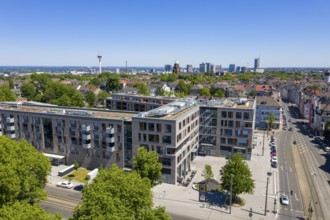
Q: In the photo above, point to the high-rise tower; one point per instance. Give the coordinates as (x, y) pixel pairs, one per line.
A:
(99, 56)
(176, 67)
(257, 63)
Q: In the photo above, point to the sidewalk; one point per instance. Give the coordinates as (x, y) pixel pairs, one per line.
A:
(181, 200)
(53, 178)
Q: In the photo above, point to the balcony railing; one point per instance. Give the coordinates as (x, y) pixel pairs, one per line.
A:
(110, 130)
(10, 128)
(87, 146)
(12, 136)
(110, 149)
(86, 128)
(110, 140)
(10, 120)
(86, 137)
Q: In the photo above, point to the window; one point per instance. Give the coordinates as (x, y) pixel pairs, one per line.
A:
(228, 132)
(143, 126)
(230, 114)
(246, 115)
(248, 124)
(239, 115)
(224, 123)
(237, 124)
(178, 138)
(224, 114)
(153, 138)
(223, 140)
(159, 127)
(170, 151)
(159, 149)
(180, 126)
(139, 136)
(144, 137)
(168, 128)
(151, 126)
(230, 124)
(167, 139)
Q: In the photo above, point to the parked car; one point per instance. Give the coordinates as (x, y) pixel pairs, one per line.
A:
(290, 129)
(327, 149)
(274, 159)
(274, 154)
(67, 185)
(284, 199)
(79, 187)
(274, 165)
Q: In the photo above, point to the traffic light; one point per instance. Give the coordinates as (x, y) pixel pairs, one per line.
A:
(291, 192)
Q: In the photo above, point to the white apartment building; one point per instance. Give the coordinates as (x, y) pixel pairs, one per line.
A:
(267, 105)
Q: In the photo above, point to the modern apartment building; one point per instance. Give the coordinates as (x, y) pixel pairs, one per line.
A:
(172, 131)
(226, 127)
(232, 68)
(177, 131)
(133, 102)
(267, 105)
(89, 137)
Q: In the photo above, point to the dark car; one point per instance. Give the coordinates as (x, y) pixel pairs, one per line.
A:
(274, 164)
(79, 187)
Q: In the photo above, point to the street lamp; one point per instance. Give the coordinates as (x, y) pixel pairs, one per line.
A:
(268, 175)
(231, 192)
(310, 209)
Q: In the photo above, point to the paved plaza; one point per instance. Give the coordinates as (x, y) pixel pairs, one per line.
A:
(183, 201)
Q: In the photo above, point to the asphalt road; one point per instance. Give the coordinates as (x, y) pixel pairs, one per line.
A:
(287, 176)
(61, 200)
(315, 164)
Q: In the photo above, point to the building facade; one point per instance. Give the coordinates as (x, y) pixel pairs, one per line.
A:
(190, 69)
(266, 106)
(232, 68)
(202, 68)
(137, 103)
(226, 127)
(171, 131)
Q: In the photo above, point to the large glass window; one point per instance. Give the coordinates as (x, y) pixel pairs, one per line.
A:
(239, 115)
(168, 128)
(246, 115)
(224, 114)
(167, 139)
(151, 126)
(48, 133)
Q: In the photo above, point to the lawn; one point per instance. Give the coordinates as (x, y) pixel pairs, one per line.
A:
(78, 175)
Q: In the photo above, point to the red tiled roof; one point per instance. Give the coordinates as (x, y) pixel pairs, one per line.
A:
(260, 88)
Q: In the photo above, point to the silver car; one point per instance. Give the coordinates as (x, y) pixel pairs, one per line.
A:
(284, 199)
(67, 185)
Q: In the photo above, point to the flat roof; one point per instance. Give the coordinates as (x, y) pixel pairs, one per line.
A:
(229, 103)
(74, 112)
(54, 156)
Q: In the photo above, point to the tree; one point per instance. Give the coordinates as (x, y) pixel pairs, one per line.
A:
(326, 132)
(143, 89)
(77, 100)
(10, 83)
(205, 92)
(41, 81)
(207, 172)
(146, 165)
(242, 181)
(6, 94)
(91, 98)
(183, 87)
(270, 121)
(24, 210)
(115, 194)
(113, 83)
(253, 93)
(64, 100)
(23, 172)
(28, 90)
(101, 97)
(160, 91)
(95, 82)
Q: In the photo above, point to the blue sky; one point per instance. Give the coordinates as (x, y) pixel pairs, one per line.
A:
(284, 33)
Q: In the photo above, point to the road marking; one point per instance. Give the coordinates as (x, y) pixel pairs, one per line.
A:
(295, 195)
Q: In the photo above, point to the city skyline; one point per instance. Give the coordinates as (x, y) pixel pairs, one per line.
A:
(148, 33)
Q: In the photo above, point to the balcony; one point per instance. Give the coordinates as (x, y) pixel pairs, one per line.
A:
(12, 136)
(110, 130)
(110, 149)
(86, 136)
(110, 140)
(86, 128)
(10, 120)
(87, 146)
(10, 128)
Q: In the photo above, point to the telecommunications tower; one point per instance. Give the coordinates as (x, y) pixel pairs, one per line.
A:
(99, 56)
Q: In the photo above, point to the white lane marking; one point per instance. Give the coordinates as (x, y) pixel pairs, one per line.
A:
(295, 196)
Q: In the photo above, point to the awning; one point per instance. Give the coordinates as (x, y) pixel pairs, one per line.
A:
(54, 156)
(194, 150)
